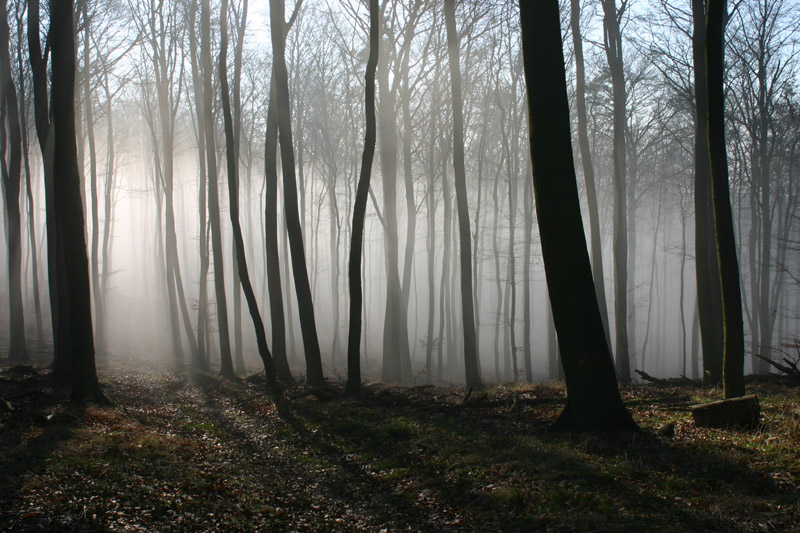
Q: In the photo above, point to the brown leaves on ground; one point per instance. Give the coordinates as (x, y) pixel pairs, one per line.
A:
(180, 452)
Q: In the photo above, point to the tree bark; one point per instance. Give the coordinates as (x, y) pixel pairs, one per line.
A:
(588, 167)
(613, 47)
(69, 209)
(226, 363)
(360, 207)
(305, 301)
(709, 299)
(233, 192)
(471, 362)
(11, 175)
(728, 262)
(593, 400)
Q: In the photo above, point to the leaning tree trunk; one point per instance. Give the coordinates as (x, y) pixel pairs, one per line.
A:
(728, 262)
(588, 167)
(233, 192)
(593, 400)
(471, 362)
(360, 208)
(305, 301)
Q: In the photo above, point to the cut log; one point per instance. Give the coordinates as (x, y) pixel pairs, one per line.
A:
(743, 411)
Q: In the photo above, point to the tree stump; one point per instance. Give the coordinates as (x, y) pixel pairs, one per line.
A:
(743, 411)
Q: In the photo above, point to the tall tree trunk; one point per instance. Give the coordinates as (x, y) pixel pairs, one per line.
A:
(203, 348)
(226, 368)
(471, 362)
(613, 47)
(396, 354)
(593, 400)
(588, 167)
(709, 299)
(99, 318)
(69, 210)
(62, 342)
(360, 207)
(277, 320)
(11, 175)
(305, 302)
(23, 106)
(233, 192)
(728, 262)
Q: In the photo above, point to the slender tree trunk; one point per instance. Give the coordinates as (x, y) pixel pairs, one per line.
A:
(588, 167)
(226, 368)
(233, 192)
(23, 106)
(277, 319)
(99, 318)
(203, 348)
(305, 302)
(471, 362)
(613, 47)
(11, 175)
(62, 341)
(360, 207)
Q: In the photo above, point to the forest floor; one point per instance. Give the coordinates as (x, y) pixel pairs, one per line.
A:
(179, 452)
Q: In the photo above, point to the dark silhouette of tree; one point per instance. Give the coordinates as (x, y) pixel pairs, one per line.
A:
(11, 170)
(233, 192)
(305, 302)
(471, 363)
(593, 400)
(360, 206)
(68, 208)
(728, 261)
(226, 366)
(709, 297)
(62, 351)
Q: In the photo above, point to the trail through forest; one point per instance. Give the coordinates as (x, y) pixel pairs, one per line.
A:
(179, 452)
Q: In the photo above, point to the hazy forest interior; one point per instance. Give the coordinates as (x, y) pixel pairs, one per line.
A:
(585, 195)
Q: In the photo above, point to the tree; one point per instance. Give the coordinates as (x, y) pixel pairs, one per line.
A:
(472, 365)
(360, 206)
(11, 170)
(612, 18)
(226, 368)
(586, 162)
(233, 192)
(709, 299)
(305, 302)
(62, 346)
(728, 262)
(68, 208)
(593, 400)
